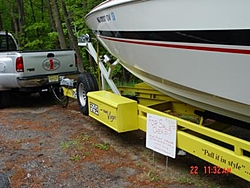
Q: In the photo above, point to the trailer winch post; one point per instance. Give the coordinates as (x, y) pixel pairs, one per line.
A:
(106, 75)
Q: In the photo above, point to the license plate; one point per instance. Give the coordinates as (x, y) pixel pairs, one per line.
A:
(53, 78)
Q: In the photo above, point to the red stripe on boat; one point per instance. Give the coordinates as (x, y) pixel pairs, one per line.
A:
(201, 48)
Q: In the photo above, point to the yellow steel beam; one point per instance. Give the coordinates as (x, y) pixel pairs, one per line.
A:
(221, 157)
(194, 142)
(69, 92)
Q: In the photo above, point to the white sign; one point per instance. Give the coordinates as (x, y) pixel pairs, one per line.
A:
(161, 135)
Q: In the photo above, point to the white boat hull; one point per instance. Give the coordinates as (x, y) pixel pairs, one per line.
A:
(208, 72)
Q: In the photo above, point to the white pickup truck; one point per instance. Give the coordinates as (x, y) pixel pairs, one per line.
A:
(32, 71)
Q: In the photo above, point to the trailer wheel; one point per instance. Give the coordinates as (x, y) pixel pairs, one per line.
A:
(86, 82)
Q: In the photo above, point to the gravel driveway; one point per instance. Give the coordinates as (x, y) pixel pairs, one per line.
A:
(45, 145)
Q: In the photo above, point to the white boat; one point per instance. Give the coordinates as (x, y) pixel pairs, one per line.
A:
(195, 51)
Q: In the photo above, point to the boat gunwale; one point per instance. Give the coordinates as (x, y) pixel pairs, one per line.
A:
(97, 9)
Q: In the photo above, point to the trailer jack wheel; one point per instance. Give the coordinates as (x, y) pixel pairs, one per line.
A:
(86, 82)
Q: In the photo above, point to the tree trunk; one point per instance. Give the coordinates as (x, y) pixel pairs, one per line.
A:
(14, 21)
(21, 18)
(52, 23)
(71, 36)
(42, 9)
(58, 23)
(92, 63)
(33, 12)
(125, 75)
(1, 22)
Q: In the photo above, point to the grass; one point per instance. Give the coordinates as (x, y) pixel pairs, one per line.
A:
(185, 180)
(153, 177)
(124, 84)
(85, 137)
(102, 146)
(67, 144)
(77, 146)
(87, 153)
(75, 142)
(76, 157)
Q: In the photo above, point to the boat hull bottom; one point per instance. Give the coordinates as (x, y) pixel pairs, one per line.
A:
(193, 97)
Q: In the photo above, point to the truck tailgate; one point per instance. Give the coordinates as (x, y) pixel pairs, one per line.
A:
(43, 63)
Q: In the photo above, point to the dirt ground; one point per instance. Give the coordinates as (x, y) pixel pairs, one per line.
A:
(45, 145)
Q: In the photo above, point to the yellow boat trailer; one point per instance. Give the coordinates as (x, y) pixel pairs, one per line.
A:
(228, 153)
(203, 138)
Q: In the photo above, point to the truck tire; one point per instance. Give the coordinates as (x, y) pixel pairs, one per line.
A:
(46, 95)
(86, 82)
(4, 99)
(1, 100)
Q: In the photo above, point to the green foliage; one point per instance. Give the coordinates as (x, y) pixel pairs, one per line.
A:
(65, 145)
(102, 146)
(37, 26)
(153, 176)
(71, 143)
(85, 137)
(37, 31)
(34, 44)
(6, 16)
(53, 35)
(75, 158)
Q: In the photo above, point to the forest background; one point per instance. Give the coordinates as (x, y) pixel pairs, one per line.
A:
(53, 24)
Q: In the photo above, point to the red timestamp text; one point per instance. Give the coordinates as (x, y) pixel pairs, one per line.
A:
(209, 170)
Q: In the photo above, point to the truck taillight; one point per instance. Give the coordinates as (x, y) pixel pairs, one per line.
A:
(19, 64)
(76, 60)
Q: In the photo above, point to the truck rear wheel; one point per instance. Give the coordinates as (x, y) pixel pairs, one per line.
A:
(86, 82)
(1, 100)
(4, 99)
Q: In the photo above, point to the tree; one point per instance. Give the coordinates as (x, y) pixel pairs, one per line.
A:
(21, 18)
(1, 22)
(14, 21)
(59, 25)
(72, 38)
(50, 24)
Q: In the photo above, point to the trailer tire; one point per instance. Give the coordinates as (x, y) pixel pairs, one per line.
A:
(86, 82)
